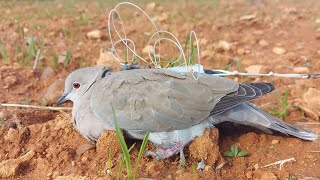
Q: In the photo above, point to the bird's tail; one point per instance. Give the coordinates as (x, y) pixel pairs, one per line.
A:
(249, 114)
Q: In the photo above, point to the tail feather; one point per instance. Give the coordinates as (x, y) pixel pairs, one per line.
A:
(249, 114)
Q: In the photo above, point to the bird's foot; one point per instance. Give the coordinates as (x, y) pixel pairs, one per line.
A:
(167, 153)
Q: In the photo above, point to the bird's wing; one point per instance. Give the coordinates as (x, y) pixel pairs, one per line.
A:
(157, 100)
(245, 92)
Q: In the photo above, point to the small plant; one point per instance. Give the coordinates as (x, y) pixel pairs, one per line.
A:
(282, 112)
(4, 54)
(67, 59)
(234, 152)
(194, 171)
(126, 151)
(31, 51)
(189, 44)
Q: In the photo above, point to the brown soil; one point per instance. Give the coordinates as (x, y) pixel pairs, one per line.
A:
(60, 26)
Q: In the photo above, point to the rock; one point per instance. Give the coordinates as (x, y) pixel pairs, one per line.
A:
(106, 59)
(254, 68)
(148, 49)
(248, 17)
(301, 70)
(312, 97)
(84, 148)
(95, 34)
(11, 166)
(71, 177)
(108, 145)
(206, 147)
(310, 111)
(47, 73)
(224, 45)
(278, 50)
(151, 7)
(53, 92)
(263, 43)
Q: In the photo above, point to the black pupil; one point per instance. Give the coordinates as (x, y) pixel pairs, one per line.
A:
(76, 85)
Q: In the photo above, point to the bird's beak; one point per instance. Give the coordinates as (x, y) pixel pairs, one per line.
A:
(62, 99)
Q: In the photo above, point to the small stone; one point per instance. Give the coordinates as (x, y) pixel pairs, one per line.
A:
(317, 21)
(207, 168)
(151, 7)
(301, 70)
(263, 43)
(148, 49)
(312, 97)
(25, 30)
(53, 92)
(275, 141)
(224, 45)
(254, 69)
(95, 34)
(278, 50)
(106, 59)
(47, 73)
(84, 148)
(248, 17)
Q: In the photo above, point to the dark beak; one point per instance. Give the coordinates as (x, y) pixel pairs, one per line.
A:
(62, 99)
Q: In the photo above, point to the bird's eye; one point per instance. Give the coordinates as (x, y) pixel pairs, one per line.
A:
(76, 85)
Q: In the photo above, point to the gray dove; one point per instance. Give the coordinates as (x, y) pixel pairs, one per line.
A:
(174, 107)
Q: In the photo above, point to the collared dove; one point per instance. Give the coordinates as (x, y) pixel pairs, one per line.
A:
(173, 106)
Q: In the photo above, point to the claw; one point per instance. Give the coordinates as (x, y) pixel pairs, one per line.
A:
(166, 153)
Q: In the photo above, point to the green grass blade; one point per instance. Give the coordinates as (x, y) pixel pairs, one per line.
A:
(194, 171)
(67, 60)
(123, 144)
(4, 54)
(141, 151)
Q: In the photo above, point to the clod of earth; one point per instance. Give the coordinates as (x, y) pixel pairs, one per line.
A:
(11, 167)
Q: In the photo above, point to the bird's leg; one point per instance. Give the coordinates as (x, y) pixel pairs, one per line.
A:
(166, 153)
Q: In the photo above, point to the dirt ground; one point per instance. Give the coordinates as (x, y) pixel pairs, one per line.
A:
(248, 35)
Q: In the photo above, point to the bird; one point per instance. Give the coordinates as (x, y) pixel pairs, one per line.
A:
(173, 107)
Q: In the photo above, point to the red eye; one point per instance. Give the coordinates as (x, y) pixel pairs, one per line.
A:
(76, 85)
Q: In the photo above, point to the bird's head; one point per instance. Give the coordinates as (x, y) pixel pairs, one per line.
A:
(80, 81)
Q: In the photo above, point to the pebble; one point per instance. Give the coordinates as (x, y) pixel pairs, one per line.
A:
(263, 43)
(301, 70)
(278, 50)
(148, 49)
(224, 45)
(254, 69)
(151, 7)
(248, 17)
(312, 97)
(47, 73)
(94, 34)
(54, 91)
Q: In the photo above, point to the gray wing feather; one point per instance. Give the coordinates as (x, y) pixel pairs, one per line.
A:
(158, 100)
(245, 92)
